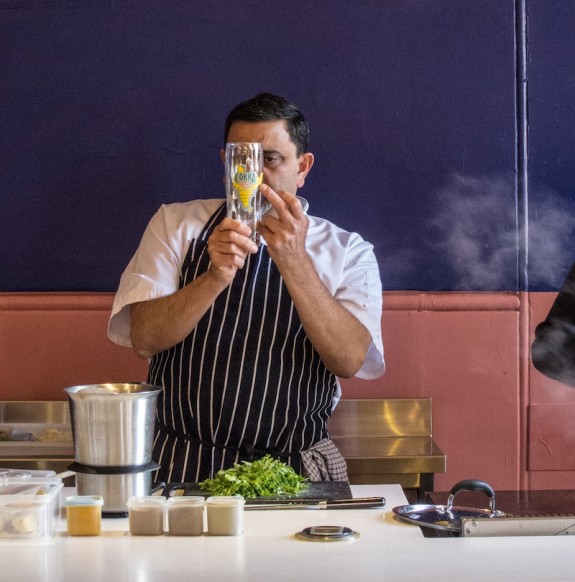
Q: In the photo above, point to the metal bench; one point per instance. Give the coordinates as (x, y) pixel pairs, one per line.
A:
(388, 441)
(383, 441)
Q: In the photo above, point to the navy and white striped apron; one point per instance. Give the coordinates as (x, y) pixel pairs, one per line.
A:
(245, 382)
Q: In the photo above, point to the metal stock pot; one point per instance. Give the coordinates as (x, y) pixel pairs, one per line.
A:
(113, 424)
(115, 484)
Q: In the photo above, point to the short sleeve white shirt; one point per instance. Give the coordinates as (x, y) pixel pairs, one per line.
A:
(345, 263)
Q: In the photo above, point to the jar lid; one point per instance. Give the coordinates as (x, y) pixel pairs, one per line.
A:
(84, 500)
(186, 500)
(230, 500)
(146, 500)
(14, 474)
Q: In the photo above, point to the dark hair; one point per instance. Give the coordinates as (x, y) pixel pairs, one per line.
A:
(268, 107)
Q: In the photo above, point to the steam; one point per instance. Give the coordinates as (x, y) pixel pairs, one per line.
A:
(477, 230)
(551, 232)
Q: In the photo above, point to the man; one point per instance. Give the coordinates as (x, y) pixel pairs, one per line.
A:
(248, 342)
(553, 350)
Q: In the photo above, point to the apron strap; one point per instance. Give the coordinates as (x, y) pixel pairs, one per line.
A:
(216, 218)
(246, 451)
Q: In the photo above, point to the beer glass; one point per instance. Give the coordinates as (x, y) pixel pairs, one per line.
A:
(244, 173)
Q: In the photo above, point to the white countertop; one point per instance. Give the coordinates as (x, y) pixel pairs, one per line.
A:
(268, 550)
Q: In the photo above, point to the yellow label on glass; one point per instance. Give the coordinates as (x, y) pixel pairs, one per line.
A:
(246, 182)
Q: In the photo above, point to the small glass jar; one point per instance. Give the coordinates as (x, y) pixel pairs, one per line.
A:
(225, 515)
(146, 515)
(84, 515)
(185, 516)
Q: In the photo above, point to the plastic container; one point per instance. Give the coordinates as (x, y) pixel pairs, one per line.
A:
(25, 474)
(146, 515)
(225, 515)
(185, 516)
(84, 515)
(29, 508)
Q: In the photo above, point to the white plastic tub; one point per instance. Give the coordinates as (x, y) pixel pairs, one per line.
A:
(29, 509)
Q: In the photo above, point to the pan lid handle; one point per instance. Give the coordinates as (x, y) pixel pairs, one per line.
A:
(472, 485)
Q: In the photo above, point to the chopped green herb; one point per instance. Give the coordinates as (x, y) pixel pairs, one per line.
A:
(264, 477)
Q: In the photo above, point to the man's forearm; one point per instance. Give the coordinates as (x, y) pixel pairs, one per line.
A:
(160, 324)
(338, 336)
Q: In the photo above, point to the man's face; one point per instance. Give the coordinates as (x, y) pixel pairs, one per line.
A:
(283, 168)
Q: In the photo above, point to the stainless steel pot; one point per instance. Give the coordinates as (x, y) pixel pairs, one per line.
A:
(113, 424)
(115, 488)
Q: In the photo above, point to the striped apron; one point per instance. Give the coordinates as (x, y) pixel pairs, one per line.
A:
(245, 382)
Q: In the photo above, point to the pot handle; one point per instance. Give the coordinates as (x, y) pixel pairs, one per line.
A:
(472, 485)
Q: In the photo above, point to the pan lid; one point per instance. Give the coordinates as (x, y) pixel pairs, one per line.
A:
(448, 517)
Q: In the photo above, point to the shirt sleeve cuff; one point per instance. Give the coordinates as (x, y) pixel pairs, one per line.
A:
(137, 288)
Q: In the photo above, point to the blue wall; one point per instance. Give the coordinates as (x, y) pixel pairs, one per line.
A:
(551, 116)
(109, 109)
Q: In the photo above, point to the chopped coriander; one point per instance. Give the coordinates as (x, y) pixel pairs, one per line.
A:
(266, 476)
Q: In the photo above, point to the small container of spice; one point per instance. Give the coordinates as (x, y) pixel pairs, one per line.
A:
(84, 515)
(146, 514)
(186, 516)
(225, 515)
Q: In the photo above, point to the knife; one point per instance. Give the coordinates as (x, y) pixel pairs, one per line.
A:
(356, 503)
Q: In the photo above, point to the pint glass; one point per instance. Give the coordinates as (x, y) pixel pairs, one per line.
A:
(244, 174)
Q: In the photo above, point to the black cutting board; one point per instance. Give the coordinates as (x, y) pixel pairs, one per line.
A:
(317, 491)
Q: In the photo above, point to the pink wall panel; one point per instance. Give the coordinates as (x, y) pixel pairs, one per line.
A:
(495, 416)
(461, 350)
(551, 480)
(552, 437)
(544, 390)
(551, 444)
(50, 341)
